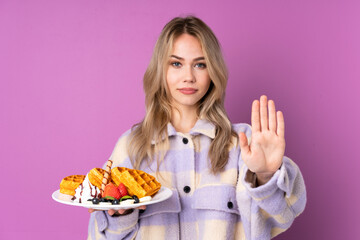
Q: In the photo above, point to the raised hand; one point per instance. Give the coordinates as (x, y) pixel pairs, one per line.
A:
(265, 153)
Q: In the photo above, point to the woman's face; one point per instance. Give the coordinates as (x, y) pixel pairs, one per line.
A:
(187, 75)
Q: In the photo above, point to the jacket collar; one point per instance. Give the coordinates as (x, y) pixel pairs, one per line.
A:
(202, 126)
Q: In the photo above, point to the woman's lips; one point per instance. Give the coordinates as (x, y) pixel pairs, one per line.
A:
(187, 90)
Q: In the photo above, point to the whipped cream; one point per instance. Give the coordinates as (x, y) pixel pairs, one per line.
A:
(86, 191)
(145, 199)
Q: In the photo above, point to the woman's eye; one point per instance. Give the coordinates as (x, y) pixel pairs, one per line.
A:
(201, 65)
(176, 64)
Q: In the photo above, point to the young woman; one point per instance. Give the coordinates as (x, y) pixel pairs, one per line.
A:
(229, 181)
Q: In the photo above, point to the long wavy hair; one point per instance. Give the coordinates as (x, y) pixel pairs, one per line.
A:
(149, 138)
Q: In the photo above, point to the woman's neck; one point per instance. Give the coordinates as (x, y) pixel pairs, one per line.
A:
(184, 119)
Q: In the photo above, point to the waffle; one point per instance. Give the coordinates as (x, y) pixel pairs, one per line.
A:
(96, 176)
(70, 183)
(137, 182)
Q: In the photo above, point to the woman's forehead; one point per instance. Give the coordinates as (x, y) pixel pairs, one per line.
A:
(187, 47)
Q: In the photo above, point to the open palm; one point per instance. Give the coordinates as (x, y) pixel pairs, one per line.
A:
(265, 153)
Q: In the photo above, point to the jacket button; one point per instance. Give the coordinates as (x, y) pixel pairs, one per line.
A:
(230, 205)
(185, 140)
(187, 189)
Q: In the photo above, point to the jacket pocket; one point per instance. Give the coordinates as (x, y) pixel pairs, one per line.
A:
(171, 205)
(219, 197)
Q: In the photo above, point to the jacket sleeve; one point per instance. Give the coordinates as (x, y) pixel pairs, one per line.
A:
(270, 209)
(104, 226)
(101, 224)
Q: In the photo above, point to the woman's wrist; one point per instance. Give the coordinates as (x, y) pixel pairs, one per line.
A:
(263, 178)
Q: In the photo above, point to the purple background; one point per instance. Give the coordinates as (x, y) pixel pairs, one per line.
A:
(71, 84)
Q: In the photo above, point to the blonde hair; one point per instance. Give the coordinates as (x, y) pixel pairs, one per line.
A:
(157, 98)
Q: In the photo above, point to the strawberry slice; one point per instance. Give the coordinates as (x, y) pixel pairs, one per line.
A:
(122, 190)
(111, 191)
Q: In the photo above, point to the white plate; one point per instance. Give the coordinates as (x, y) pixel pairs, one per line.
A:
(163, 194)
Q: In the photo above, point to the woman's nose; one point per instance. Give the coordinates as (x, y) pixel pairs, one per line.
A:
(189, 75)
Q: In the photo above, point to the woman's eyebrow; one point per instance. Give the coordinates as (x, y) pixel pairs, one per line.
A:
(180, 58)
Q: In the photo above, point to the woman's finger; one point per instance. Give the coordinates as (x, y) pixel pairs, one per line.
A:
(280, 124)
(111, 212)
(121, 211)
(272, 116)
(263, 113)
(244, 145)
(255, 116)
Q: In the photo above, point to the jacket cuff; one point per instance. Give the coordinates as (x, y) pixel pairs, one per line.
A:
(279, 181)
(118, 224)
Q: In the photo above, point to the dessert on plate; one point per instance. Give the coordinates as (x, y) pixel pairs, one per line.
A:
(86, 190)
(137, 182)
(70, 183)
(115, 186)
